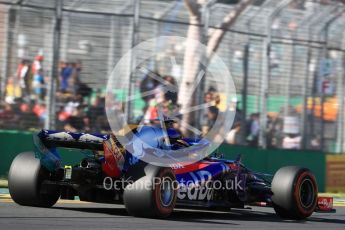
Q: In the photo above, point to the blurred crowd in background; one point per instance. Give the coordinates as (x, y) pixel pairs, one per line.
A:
(83, 109)
(24, 106)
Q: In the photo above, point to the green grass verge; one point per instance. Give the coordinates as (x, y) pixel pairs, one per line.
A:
(3, 183)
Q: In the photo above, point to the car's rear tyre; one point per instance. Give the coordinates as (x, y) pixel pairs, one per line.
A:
(153, 195)
(294, 193)
(25, 179)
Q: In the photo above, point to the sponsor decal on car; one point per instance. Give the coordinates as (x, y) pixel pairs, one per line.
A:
(195, 193)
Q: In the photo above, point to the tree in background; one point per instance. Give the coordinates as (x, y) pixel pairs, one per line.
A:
(192, 56)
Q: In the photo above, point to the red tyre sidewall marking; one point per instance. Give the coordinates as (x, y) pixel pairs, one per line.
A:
(157, 194)
(297, 193)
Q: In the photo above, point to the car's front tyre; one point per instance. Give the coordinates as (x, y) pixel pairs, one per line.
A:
(153, 195)
(294, 193)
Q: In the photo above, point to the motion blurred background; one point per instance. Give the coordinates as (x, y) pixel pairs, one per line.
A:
(286, 57)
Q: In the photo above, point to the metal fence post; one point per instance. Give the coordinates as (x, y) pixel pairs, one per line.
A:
(325, 55)
(291, 51)
(50, 100)
(246, 61)
(266, 51)
(309, 130)
(341, 109)
(340, 120)
(245, 91)
(111, 45)
(114, 24)
(165, 30)
(5, 54)
(303, 125)
(65, 38)
(292, 73)
(11, 32)
(135, 39)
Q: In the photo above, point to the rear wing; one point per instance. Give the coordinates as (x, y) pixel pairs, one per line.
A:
(54, 139)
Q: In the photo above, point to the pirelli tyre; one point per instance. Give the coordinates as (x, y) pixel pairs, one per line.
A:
(294, 193)
(153, 195)
(25, 179)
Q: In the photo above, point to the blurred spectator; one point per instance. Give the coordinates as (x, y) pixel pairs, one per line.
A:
(204, 114)
(73, 104)
(141, 118)
(23, 77)
(147, 85)
(212, 90)
(66, 73)
(169, 95)
(37, 64)
(96, 110)
(29, 119)
(103, 124)
(100, 122)
(212, 115)
(210, 112)
(83, 90)
(234, 107)
(12, 91)
(253, 129)
(40, 111)
(216, 99)
(315, 143)
(74, 80)
(162, 97)
(159, 94)
(233, 137)
(292, 141)
(77, 122)
(275, 133)
(38, 85)
(151, 112)
(61, 118)
(6, 113)
(171, 112)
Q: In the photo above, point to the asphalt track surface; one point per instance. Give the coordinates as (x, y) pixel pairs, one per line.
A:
(82, 215)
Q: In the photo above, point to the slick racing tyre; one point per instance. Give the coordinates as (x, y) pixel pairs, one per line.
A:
(25, 179)
(294, 193)
(152, 195)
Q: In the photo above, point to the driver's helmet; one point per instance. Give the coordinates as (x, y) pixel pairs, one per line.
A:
(173, 135)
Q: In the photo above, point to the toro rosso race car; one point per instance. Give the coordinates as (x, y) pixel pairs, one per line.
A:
(110, 174)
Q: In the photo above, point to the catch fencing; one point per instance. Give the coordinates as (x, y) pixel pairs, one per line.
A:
(286, 58)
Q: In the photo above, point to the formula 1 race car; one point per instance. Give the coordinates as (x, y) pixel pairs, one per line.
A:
(110, 174)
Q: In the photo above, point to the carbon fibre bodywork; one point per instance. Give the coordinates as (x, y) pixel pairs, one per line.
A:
(105, 157)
